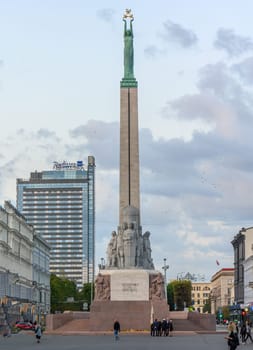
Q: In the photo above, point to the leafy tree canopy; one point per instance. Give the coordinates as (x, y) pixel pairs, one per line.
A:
(181, 293)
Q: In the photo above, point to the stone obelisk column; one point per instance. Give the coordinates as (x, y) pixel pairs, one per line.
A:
(129, 281)
(129, 133)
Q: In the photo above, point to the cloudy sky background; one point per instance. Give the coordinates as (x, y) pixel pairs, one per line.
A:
(60, 67)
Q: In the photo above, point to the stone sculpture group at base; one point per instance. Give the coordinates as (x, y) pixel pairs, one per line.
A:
(129, 248)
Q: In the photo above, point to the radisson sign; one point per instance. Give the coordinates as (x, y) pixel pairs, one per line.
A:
(68, 165)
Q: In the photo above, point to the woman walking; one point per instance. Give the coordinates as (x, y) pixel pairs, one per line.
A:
(38, 332)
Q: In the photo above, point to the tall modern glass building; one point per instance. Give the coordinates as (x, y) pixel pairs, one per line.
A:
(60, 204)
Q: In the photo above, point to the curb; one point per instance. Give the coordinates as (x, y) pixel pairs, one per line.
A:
(91, 333)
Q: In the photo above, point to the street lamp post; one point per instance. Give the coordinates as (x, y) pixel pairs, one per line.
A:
(101, 266)
(102, 263)
(165, 268)
(213, 297)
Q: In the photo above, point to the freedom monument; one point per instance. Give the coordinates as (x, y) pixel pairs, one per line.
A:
(129, 288)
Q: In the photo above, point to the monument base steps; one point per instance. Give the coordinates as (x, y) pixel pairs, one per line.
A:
(132, 315)
(135, 315)
(185, 325)
(75, 326)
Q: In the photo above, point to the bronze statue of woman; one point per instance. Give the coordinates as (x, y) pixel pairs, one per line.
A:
(128, 51)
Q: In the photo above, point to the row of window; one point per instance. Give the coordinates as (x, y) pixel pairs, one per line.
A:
(52, 225)
(200, 302)
(200, 288)
(205, 295)
(57, 219)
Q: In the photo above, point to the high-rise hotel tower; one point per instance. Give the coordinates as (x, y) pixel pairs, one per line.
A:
(60, 204)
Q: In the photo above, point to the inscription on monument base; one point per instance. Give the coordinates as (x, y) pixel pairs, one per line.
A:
(129, 285)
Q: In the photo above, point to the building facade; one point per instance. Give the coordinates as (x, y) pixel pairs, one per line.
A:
(200, 295)
(41, 278)
(60, 204)
(17, 283)
(243, 264)
(222, 289)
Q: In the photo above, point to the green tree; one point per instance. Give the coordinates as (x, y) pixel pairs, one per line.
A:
(225, 312)
(207, 306)
(85, 293)
(170, 296)
(61, 289)
(182, 293)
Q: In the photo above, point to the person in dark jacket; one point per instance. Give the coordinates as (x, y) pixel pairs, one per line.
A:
(243, 333)
(167, 332)
(248, 332)
(171, 328)
(156, 325)
(164, 327)
(116, 329)
(152, 329)
(159, 328)
(232, 340)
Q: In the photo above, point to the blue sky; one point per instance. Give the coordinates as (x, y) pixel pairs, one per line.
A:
(60, 67)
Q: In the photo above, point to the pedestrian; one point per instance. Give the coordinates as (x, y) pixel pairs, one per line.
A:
(38, 332)
(116, 329)
(167, 327)
(232, 328)
(232, 340)
(164, 327)
(155, 325)
(7, 332)
(243, 333)
(171, 328)
(159, 328)
(152, 329)
(248, 332)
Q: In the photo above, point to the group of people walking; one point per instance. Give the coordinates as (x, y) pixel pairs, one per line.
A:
(161, 328)
(234, 334)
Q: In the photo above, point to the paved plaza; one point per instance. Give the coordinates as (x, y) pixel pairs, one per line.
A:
(106, 342)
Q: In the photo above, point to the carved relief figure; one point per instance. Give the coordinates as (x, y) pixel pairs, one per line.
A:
(157, 287)
(102, 287)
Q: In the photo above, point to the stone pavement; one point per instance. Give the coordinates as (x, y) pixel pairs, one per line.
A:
(193, 341)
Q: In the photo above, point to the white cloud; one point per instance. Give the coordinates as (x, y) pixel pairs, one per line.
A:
(106, 14)
(174, 32)
(232, 43)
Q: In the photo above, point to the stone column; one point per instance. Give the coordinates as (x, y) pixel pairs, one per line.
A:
(129, 150)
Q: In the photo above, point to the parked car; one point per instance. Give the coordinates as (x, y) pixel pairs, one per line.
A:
(24, 325)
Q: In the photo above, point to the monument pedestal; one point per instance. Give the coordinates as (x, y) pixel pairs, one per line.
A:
(134, 297)
(132, 315)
